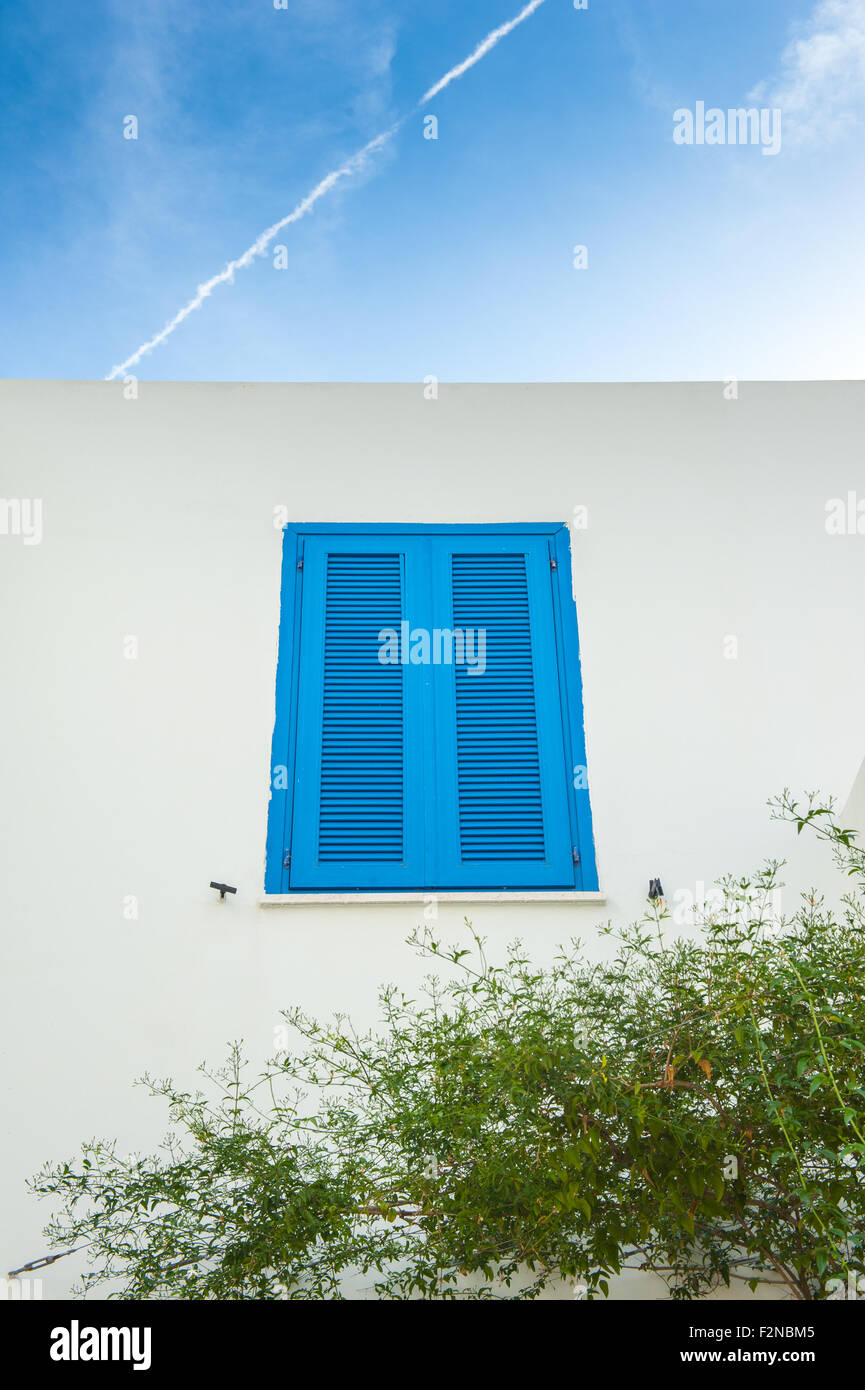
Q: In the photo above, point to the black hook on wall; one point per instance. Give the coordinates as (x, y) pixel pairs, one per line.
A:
(223, 889)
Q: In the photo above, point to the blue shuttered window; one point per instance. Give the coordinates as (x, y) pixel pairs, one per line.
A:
(429, 720)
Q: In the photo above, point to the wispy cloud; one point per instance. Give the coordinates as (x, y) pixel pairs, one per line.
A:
(820, 88)
(363, 46)
(350, 167)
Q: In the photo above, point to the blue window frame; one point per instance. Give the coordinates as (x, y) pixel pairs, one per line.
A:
(429, 724)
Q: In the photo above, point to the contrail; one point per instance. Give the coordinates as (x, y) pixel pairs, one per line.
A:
(482, 49)
(344, 171)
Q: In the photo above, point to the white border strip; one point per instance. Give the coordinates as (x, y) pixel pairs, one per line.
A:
(328, 899)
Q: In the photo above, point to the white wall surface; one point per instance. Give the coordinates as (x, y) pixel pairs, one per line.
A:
(149, 777)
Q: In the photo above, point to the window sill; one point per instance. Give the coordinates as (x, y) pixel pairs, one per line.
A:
(513, 896)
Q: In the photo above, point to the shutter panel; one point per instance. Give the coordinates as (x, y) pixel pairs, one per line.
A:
(502, 771)
(498, 763)
(357, 816)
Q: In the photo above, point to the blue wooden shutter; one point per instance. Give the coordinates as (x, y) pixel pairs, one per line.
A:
(501, 764)
(357, 817)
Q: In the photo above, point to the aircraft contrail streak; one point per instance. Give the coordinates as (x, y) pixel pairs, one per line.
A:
(344, 171)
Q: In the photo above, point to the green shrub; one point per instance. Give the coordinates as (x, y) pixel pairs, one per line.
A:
(688, 1106)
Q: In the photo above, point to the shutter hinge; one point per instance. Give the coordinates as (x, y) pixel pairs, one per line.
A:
(286, 859)
(300, 564)
(553, 565)
(576, 855)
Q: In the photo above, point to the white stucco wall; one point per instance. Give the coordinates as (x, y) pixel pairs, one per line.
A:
(149, 777)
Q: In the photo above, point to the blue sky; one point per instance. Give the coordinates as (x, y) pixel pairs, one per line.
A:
(451, 257)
